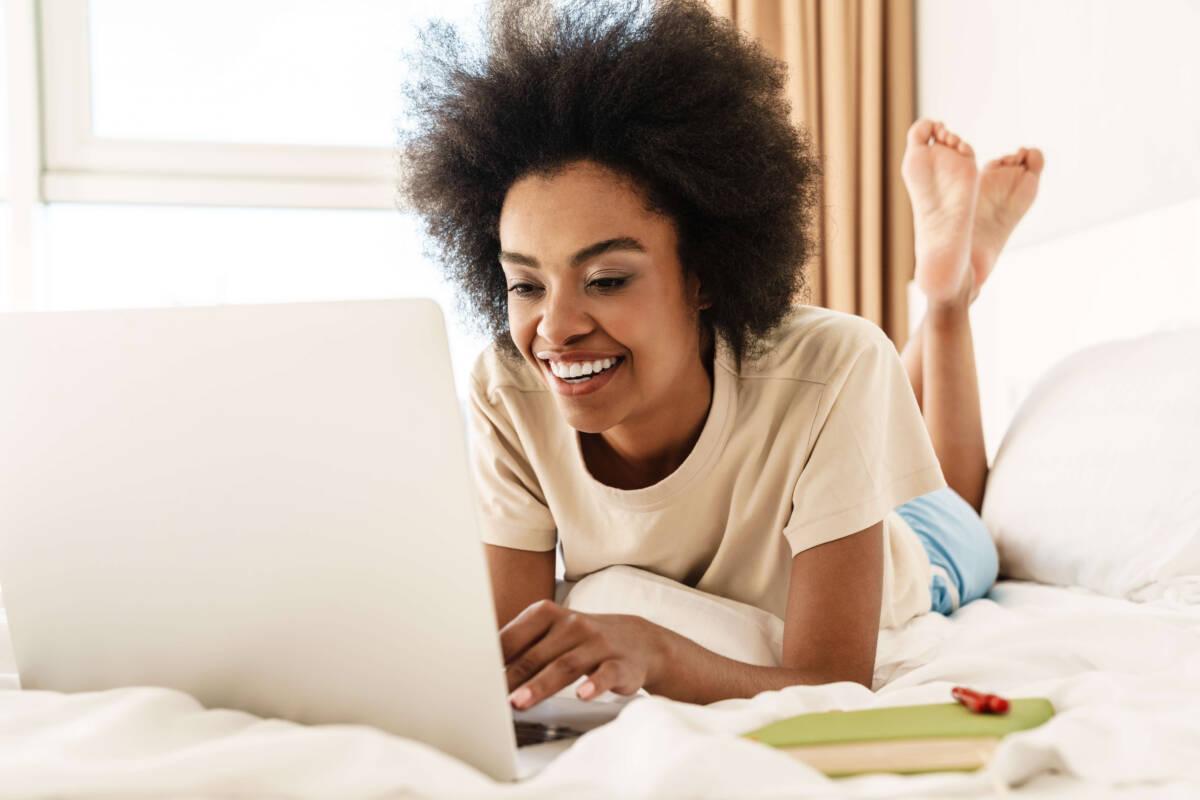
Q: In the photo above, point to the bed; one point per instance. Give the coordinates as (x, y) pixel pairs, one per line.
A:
(1094, 500)
(1124, 677)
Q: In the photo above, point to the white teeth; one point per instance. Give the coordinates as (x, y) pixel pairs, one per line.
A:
(579, 368)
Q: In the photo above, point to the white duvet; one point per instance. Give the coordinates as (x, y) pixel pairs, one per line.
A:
(1124, 677)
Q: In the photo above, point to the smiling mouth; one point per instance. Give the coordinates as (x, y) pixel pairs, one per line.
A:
(584, 378)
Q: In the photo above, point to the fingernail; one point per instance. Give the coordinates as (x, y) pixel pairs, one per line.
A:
(520, 697)
(587, 690)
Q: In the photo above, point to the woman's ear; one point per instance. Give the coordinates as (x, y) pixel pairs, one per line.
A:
(699, 297)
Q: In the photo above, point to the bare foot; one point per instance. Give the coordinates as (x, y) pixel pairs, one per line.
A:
(941, 177)
(1007, 186)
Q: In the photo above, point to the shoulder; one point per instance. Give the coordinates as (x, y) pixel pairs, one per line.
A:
(818, 345)
(494, 372)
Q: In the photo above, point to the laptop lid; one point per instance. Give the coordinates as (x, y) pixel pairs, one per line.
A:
(265, 506)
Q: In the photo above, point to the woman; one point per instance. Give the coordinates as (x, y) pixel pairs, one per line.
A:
(621, 187)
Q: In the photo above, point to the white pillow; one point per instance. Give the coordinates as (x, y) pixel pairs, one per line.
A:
(735, 630)
(1097, 480)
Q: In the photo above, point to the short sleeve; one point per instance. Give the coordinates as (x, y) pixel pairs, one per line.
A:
(868, 451)
(512, 508)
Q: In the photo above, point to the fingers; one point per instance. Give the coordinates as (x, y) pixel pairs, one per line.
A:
(527, 628)
(549, 648)
(559, 673)
(608, 677)
(568, 632)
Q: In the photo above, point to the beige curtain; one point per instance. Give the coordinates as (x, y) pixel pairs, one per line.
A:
(851, 82)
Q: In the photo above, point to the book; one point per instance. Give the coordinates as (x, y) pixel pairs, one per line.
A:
(904, 739)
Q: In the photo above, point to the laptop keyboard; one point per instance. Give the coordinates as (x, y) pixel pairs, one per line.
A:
(539, 732)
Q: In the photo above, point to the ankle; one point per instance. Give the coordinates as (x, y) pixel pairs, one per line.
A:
(950, 312)
(981, 268)
(950, 306)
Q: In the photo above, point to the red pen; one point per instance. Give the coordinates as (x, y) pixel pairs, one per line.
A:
(979, 702)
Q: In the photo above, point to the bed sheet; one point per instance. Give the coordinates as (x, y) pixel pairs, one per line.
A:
(1124, 677)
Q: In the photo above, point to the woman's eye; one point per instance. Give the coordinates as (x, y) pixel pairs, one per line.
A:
(607, 284)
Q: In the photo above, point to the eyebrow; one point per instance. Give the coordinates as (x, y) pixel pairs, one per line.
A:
(589, 252)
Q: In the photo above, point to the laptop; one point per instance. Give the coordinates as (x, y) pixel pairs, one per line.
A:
(268, 507)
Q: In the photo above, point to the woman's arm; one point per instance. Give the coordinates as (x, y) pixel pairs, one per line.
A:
(830, 635)
(519, 578)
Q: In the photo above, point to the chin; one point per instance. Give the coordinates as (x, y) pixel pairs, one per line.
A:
(585, 423)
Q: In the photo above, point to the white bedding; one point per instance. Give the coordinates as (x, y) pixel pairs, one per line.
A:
(1125, 678)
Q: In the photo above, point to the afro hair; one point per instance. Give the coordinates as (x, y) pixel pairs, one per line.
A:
(662, 92)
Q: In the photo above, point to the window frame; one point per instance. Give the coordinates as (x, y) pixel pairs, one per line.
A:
(21, 191)
(82, 167)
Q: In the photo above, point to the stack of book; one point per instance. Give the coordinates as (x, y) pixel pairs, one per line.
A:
(904, 739)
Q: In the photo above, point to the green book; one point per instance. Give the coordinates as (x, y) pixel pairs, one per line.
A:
(905, 739)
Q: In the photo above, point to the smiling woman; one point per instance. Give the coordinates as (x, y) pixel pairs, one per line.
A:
(683, 112)
(619, 196)
(642, 415)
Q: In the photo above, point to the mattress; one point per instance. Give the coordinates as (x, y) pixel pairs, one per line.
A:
(1124, 677)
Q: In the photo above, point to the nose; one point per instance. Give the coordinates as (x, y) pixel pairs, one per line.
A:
(563, 318)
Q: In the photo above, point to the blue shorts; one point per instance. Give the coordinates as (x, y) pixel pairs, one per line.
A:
(961, 552)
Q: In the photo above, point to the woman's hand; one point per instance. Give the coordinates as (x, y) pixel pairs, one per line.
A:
(547, 647)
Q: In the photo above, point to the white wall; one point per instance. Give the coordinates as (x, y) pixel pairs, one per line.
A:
(1108, 91)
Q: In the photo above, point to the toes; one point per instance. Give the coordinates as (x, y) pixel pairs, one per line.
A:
(920, 131)
(924, 129)
(1029, 157)
(956, 142)
(1034, 160)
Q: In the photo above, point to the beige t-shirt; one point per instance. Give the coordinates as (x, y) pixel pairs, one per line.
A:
(817, 439)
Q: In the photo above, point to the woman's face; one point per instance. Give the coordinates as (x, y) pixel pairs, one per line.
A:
(592, 275)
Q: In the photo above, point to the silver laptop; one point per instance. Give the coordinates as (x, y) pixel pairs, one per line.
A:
(268, 507)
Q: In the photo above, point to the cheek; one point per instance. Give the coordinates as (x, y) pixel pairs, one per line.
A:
(521, 330)
(516, 319)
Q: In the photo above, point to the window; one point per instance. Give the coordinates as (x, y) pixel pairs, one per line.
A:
(302, 72)
(268, 103)
(225, 151)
